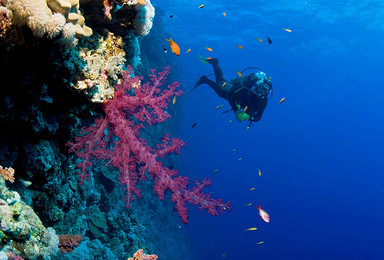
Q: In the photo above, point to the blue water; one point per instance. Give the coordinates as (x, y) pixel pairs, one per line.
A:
(320, 152)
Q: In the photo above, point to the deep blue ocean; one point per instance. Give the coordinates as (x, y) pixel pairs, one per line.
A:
(320, 152)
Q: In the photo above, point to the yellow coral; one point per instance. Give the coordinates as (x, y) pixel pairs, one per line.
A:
(104, 66)
(7, 173)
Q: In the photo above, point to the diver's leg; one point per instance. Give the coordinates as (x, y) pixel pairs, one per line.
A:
(218, 71)
(217, 88)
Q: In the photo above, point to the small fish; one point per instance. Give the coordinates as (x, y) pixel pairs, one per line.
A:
(25, 183)
(171, 16)
(209, 49)
(239, 159)
(225, 14)
(234, 150)
(251, 229)
(249, 204)
(269, 40)
(209, 58)
(260, 40)
(259, 172)
(194, 125)
(174, 47)
(252, 189)
(245, 109)
(165, 50)
(238, 73)
(261, 242)
(263, 215)
(219, 107)
(189, 50)
(269, 78)
(201, 6)
(225, 83)
(288, 30)
(174, 100)
(142, 2)
(282, 100)
(229, 121)
(216, 171)
(240, 47)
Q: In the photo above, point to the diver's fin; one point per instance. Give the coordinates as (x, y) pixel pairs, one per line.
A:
(203, 59)
(186, 96)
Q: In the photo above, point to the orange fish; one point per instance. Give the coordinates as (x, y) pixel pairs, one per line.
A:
(288, 30)
(174, 100)
(239, 46)
(238, 73)
(225, 83)
(263, 215)
(269, 78)
(201, 6)
(282, 100)
(174, 47)
(260, 40)
(142, 2)
(245, 109)
(209, 49)
(209, 58)
(189, 50)
(225, 14)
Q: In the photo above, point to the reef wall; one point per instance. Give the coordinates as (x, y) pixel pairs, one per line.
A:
(59, 61)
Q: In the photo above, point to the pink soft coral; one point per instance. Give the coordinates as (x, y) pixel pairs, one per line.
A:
(116, 140)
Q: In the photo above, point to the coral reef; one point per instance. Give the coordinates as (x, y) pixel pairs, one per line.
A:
(22, 231)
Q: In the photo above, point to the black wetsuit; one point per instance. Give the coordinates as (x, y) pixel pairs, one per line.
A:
(242, 91)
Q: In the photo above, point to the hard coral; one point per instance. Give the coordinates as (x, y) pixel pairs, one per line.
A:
(143, 21)
(50, 17)
(7, 173)
(139, 255)
(68, 242)
(144, 13)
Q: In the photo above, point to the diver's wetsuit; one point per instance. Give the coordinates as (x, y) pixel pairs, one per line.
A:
(242, 91)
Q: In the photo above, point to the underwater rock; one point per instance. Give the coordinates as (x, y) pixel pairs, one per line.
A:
(97, 221)
(41, 157)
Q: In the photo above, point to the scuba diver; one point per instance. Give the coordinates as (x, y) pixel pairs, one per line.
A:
(247, 95)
